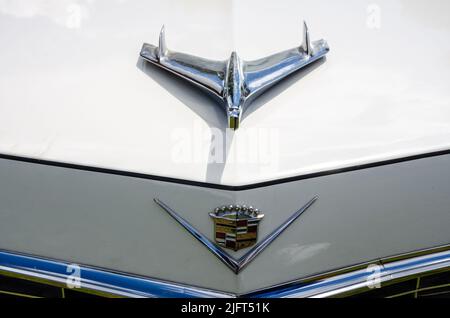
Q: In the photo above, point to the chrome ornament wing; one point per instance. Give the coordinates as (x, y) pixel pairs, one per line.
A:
(235, 81)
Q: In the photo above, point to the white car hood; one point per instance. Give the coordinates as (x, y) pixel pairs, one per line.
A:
(74, 90)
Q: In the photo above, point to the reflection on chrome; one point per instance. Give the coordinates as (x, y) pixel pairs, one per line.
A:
(344, 282)
(235, 81)
(235, 265)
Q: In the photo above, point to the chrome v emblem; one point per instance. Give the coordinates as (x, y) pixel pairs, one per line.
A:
(235, 265)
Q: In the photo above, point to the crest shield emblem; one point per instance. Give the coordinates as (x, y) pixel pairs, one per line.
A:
(227, 220)
(236, 227)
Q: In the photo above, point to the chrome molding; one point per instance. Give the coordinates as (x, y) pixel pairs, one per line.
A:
(334, 284)
(359, 278)
(235, 81)
(235, 265)
(100, 280)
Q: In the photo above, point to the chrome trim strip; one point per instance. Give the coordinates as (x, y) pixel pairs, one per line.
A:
(334, 284)
(212, 247)
(235, 265)
(357, 279)
(105, 281)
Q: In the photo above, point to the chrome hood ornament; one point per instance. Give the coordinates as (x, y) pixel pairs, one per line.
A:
(235, 81)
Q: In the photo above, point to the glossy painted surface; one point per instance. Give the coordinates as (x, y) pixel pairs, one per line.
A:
(72, 88)
(112, 222)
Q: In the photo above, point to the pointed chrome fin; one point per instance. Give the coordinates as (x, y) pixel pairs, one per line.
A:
(263, 73)
(162, 48)
(306, 45)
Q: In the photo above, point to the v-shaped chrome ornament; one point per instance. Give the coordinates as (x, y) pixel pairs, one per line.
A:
(235, 81)
(236, 265)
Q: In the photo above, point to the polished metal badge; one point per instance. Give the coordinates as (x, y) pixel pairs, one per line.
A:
(234, 81)
(235, 226)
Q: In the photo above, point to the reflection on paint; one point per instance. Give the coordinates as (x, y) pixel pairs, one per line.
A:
(68, 13)
(295, 253)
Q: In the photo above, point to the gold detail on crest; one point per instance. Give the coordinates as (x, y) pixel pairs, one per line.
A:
(235, 226)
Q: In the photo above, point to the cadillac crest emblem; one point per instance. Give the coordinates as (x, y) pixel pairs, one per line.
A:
(235, 226)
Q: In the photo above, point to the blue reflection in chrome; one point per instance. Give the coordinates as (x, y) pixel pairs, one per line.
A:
(110, 282)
